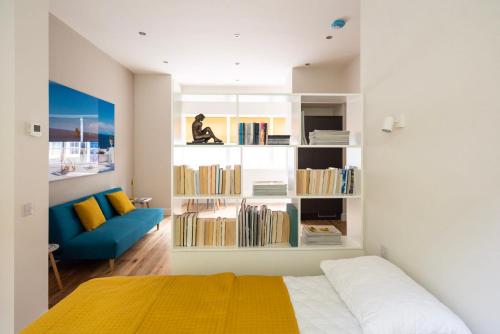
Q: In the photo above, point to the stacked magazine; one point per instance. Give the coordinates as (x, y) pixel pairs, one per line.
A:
(328, 137)
(269, 188)
(278, 140)
(321, 235)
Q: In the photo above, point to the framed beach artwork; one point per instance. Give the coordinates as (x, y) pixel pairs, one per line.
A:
(81, 133)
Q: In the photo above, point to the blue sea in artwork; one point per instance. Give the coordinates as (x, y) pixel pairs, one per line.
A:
(106, 130)
(81, 133)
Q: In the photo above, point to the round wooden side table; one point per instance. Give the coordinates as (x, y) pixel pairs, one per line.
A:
(53, 248)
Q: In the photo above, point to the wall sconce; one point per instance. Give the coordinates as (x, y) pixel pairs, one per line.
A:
(391, 122)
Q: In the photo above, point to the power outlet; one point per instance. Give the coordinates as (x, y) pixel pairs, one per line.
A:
(28, 209)
(383, 251)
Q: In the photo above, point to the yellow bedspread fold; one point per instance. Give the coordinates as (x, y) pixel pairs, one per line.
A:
(222, 303)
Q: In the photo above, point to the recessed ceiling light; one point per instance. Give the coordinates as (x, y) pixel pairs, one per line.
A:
(237, 35)
(142, 33)
(329, 37)
(307, 64)
(165, 62)
(237, 63)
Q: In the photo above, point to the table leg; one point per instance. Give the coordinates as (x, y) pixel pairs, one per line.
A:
(56, 272)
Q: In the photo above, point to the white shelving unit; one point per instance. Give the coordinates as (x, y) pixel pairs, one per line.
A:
(275, 162)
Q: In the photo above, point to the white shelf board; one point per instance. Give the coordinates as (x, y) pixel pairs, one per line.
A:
(327, 196)
(329, 146)
(207, 197)
(249, 196)
(203, 248)
(267, 146)
(206, 146)
(347, 244)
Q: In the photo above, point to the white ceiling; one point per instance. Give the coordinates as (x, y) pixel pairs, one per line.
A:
(196, 37)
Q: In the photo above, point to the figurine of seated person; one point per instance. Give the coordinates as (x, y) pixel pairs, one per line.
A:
(201, 135)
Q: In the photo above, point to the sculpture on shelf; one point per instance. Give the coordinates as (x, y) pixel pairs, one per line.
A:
(202, 135)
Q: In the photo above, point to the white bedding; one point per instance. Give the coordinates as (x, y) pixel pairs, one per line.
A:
(318, 308)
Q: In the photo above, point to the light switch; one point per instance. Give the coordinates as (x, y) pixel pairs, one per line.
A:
(28, 209)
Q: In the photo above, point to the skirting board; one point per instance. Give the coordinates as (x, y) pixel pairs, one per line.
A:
(271, 262)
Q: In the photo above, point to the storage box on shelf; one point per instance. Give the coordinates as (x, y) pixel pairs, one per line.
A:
(264, 218)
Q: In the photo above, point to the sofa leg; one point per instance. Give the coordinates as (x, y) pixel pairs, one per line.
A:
(111, 265)
(157, 227)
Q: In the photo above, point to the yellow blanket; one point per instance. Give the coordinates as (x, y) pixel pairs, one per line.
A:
(222, 303)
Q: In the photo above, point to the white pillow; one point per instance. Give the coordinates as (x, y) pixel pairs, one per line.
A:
(386, 301)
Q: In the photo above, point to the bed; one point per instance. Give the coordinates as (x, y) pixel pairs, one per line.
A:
(318, 308)
(366, 295)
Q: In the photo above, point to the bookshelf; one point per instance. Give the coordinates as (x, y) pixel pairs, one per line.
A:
(283, 113)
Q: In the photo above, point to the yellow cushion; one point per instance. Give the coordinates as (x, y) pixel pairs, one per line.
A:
(120, 202)
(90, 214)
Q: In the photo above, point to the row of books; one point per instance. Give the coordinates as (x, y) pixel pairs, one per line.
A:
(261, 226)
(252, 133)
(329, 137)
(207, 180)
(321, 235)
(191, 231)
(331, 181)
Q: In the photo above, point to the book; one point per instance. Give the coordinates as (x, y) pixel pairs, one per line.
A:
(237, 179)
(191, 231)
(260, 226)
(278, 140)
(294, 220)
(207, 180)
(232, 181)
(321, 234)
(252, 133)
(241, 134)
(330, 181)
(262, 133)
(329, 137)
(269, 188)
(256, 127)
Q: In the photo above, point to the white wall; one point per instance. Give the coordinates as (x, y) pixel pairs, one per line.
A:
(352, 76)
(30, 158)
(7, 105)
(153, 98)
(232, 89)
(432, 190)
(77, 63)
(326, 78)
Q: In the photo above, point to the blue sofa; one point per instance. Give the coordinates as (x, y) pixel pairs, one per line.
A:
(109, 240)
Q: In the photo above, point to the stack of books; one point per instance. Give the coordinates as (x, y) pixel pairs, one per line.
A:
(321, 235)
(252, 134)
(207, 180)
(331, 181)
(269, 188)
(260, 226)
(328, 137)
(191, 231)
(278, 140)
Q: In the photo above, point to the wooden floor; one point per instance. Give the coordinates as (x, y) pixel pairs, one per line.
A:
(150, 256)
